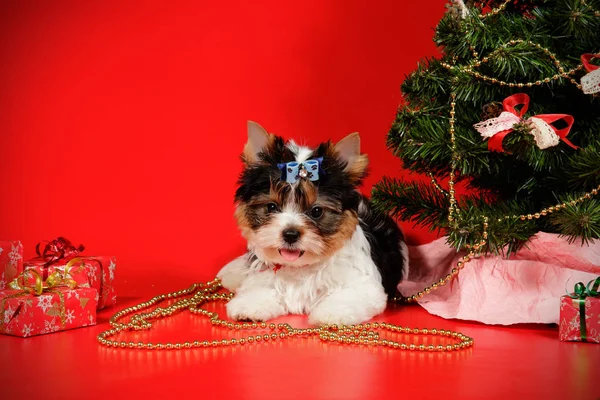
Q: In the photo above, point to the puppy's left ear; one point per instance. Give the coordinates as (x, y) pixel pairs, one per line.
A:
(348, 150)
(258, 140)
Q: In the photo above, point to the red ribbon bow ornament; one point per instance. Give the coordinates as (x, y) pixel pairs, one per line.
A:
(545, 135)
(590, 83)
(57, 249)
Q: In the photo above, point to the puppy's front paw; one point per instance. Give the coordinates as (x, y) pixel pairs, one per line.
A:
(335, 314)
(347, 308)
(233, 274)
(255, 306)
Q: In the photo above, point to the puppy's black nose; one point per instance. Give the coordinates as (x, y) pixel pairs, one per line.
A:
(291, 235)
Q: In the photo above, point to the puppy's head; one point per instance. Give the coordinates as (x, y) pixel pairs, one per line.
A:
(286, 215)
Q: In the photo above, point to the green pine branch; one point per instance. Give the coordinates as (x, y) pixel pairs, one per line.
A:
(580, 222)
(415, 201)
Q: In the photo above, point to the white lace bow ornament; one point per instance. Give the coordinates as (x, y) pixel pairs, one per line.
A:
(544, 134)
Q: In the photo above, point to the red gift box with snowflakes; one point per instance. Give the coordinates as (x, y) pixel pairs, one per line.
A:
(11, 261)
(95, 272)
(101, 275)
(580, 314)
(25, 314)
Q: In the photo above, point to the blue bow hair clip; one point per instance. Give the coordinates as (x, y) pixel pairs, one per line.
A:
(293, 170)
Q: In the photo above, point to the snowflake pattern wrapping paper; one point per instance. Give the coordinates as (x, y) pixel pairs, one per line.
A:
(570, 327)
(98, 273)
(11, 261)
(23, 314)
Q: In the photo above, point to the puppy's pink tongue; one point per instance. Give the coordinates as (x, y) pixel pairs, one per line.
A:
(290, 255)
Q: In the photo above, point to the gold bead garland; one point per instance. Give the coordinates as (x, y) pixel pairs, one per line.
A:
(596, 12)
(436, 184)
(453, 160)
(549, 210)
(476, 63)
(496, 11)
(502, 6)
(203, 293)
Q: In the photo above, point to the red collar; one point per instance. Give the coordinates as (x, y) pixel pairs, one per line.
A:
(275, 268)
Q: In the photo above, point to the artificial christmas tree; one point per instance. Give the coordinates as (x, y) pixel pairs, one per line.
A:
(503, 115)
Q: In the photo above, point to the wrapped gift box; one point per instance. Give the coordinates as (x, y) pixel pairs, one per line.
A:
(25, 314)
(11, 261)
(95, 272)
(580, 317)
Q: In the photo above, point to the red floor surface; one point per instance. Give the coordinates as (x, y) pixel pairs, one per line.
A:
(505, 363)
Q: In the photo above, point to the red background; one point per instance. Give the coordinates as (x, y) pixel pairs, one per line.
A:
(120, 127)
(121, 123)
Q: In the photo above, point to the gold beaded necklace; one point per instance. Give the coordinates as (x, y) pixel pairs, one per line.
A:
(198, 294)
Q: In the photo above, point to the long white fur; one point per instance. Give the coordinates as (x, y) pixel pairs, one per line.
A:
(302, 153)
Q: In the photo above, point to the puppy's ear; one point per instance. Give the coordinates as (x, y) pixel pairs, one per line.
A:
(258, 140)
(348, 150)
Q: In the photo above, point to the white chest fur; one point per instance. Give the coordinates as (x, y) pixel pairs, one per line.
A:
(344, 289)
(301, 289)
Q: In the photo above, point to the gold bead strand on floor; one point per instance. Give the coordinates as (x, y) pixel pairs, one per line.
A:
(200, 294)
(362, 334)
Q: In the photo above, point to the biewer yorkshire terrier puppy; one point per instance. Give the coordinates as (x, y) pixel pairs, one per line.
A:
(315, 244)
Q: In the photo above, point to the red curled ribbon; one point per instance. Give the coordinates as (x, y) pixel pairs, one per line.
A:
(586, 58)
(509, 104)
(57, 249)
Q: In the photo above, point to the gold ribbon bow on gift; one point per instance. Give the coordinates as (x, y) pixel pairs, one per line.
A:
(56, 279)
(25, 286)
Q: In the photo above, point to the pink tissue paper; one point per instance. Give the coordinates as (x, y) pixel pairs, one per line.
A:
(525, 288)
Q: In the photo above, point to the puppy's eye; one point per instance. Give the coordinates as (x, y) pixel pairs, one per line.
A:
(316, 212)
(272, 208)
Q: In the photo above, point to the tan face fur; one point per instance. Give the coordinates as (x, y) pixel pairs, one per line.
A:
(267, 205)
